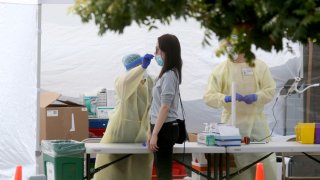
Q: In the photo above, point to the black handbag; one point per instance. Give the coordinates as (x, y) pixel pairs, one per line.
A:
(183, 134)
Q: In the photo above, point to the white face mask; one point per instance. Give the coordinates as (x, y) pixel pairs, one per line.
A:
(233, 54)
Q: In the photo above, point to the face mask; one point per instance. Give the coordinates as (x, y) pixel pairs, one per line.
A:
(232, 53)
(234, 56)
(159, 60)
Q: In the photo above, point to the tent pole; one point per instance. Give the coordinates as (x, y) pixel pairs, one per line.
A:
(310, 57)
(38, 150)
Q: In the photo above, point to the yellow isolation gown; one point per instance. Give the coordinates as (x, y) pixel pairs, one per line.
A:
(249, 118)
(128, 123)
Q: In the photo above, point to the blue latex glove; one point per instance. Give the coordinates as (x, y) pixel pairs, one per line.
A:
(239, 97)
(146, 60)
(250, 98)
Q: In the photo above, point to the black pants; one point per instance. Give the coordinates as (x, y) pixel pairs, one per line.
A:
(167, 137)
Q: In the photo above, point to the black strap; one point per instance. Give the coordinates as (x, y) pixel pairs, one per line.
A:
(105, 165)
(247, 167)
(183, 114)
(182, 109)
(311, 157)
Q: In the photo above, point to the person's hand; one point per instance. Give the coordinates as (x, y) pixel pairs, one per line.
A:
(152, 143)
(250, 98)
(146, 60)
(239, 98)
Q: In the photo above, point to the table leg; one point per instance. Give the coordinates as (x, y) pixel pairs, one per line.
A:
(88, 167)
(215, 166)
(283, 166)
(209, 166)
(220, 167)
(227, 167)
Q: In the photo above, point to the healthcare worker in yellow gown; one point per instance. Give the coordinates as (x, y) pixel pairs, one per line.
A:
(255, 88)
(129, 122)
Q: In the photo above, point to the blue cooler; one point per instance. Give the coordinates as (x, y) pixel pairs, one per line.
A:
(98, 123)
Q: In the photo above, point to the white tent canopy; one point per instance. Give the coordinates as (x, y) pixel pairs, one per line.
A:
(75, 60)
(19, 76)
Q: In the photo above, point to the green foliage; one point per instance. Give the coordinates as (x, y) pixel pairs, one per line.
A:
(115, 15)
(263, 23)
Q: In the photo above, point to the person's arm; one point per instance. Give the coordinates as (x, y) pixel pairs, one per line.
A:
(267, 85)
(163, 114)
(213, 96)
(128, 83)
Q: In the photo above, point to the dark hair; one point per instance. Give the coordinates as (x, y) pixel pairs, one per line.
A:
(170, 45)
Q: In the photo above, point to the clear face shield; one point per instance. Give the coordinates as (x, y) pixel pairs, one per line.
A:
(231, 52)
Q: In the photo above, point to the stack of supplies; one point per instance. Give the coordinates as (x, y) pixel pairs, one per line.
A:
(220, 135)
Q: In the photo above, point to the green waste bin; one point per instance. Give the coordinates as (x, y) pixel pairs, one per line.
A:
(63, 159)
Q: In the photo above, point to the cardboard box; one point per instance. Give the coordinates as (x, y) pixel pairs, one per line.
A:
(61, 118)
(192, 137)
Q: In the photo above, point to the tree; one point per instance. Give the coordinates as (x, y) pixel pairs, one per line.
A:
(263, 23)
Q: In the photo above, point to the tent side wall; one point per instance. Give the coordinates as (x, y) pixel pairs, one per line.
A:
(19, 79)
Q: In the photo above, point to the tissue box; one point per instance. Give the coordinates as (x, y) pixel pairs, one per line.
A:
(227, 140)
(206, 138)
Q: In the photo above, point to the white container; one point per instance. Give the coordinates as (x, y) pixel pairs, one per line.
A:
(37, 177)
